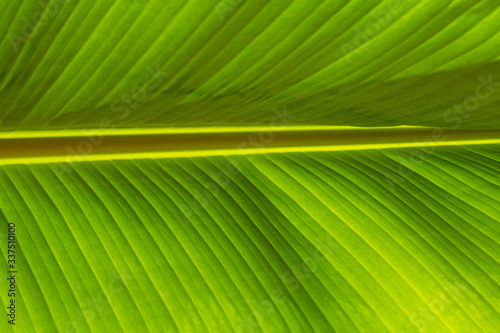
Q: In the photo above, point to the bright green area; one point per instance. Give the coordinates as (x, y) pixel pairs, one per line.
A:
(341, 241)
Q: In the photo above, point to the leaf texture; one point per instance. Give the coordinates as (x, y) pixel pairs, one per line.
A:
(194, 63)
(276, 242)
(348, 220)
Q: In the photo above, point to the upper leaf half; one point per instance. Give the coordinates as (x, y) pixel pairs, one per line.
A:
(75, 64)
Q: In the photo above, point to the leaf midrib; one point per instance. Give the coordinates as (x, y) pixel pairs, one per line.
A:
(190, 143)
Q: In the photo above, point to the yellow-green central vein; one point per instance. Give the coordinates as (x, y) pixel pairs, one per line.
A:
(136, 144)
